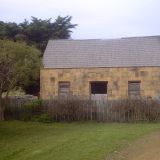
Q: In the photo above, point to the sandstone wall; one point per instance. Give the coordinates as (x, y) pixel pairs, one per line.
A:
(117, 80)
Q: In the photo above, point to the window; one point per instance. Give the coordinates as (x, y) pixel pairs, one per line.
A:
(64, 88)
(134, 89)
(99, 87)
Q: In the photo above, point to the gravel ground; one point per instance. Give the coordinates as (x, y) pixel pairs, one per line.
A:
(147, 148)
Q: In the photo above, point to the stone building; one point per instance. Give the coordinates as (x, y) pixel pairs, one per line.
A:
(113, 69)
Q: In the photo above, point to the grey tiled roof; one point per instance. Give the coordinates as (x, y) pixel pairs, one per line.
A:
(124, 52)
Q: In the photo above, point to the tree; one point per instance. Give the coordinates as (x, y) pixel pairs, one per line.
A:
(38, 31)
(9, 30)
(61, 28)
(18, 62)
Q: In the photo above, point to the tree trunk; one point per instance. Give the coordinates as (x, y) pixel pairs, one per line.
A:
(1, 109)
(1, 113)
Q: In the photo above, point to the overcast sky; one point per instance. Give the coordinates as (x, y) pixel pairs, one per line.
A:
(95, 18)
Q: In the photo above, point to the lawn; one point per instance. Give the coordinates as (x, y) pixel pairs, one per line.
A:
(66, 141)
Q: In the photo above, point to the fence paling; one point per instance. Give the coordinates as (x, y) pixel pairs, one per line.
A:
(71, 109)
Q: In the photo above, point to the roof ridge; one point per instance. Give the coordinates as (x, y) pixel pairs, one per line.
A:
(154, 36)
(73, 39)
(101, 39)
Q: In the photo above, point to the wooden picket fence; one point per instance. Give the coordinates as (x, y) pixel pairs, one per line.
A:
(80, 109)
(68, 109)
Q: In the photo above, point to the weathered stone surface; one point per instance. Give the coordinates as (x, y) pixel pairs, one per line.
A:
(117, 79)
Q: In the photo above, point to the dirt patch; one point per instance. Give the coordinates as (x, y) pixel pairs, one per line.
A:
(147, 148)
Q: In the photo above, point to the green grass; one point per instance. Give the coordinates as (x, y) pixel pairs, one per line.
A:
(62, 141)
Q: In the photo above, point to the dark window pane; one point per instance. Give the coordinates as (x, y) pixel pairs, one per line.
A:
(98, 87)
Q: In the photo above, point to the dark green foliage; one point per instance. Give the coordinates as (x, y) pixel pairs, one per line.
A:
(44, 118)
(62, 27)
(37, 31)
(33, 104)
(18, 63)
(30, 109)
(9, 30)
(23, 109)
(27, 111)
(32, 87)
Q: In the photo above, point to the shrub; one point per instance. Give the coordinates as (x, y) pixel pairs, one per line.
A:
(30, 109)
(44, 118)
(23, 109)
(33, 104)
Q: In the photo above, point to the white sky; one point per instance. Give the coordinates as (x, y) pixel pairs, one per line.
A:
(95, 18)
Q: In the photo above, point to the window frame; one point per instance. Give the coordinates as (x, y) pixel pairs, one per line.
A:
(59, 88)
(138, 91)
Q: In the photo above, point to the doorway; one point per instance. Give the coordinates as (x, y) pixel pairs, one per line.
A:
(98, 90)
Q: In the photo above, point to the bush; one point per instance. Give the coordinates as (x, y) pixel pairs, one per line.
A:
(23, 109)
(33, 104)
(30, 109)
(44, 118)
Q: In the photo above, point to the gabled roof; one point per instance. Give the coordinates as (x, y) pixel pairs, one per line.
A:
(124, 52)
